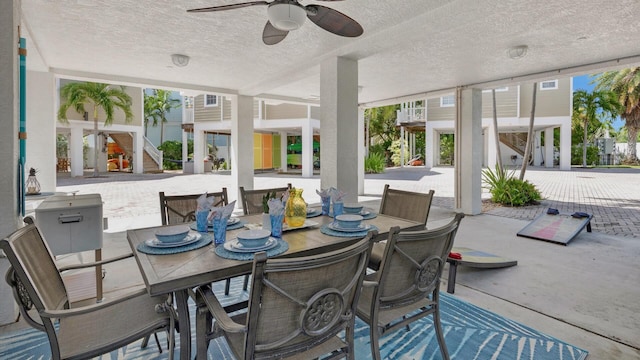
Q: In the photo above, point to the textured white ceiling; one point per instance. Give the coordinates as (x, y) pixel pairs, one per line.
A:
(408, 47)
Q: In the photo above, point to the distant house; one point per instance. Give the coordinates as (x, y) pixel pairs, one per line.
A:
(513, 107)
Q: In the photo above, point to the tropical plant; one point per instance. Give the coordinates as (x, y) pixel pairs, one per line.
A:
(506, 189)
(626, 85)
(593, 157)
(77, 95)
(150, 113)
(396, 151)
(160, 104)
(382, 125)
(172, 153)
(374, 163)
(447, 150)
(586, 109)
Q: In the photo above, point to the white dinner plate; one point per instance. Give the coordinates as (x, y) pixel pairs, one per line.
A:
(189, 239)
(235, 246)
(361, 227)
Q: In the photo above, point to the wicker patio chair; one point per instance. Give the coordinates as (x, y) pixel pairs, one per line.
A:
(77, 332)
(178, 209)
(406, 287)
(298, 307)
(409, 205)
(252, 199)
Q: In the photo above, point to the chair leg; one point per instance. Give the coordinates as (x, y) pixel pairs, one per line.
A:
(375, 342)
(439, 334)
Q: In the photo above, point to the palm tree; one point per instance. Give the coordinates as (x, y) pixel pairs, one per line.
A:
(99, 96)
(161, 104)
(150, 112)
(626, 85)
(586, 106)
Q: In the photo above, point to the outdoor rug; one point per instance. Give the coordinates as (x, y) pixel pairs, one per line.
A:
(470, 333)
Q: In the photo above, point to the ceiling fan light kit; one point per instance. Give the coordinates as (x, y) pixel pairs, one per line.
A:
(286, 17)
(180, 60)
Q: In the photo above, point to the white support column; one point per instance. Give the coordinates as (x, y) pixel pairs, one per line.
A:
(198, 151)
(241, 145)
(138, 151)
(492, 154)
(468, 148)
(362, 150)
(185, 148)
(548, 147)
(537, 151)
(283, 151)
(432, 146)
(41, 128)
(307, 149)
(402, 148)
(565, 146)
(339, 130)
(77, 158)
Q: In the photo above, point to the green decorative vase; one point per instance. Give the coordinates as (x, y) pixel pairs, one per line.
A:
(295, 212)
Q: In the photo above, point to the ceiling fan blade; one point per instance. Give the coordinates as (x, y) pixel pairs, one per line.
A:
(229, 7)
(271, 35)
(333, 21)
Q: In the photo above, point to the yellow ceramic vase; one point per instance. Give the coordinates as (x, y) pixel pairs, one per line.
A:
(295, 212)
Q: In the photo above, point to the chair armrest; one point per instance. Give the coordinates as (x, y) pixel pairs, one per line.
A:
(63, 313)
(95, 263)
(223, 320)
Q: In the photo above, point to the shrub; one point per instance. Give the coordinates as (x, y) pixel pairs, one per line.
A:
(374, 163)
(505, 189)
(395, 149)
(592, 155)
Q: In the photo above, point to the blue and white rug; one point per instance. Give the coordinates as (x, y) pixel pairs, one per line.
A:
(470, 333)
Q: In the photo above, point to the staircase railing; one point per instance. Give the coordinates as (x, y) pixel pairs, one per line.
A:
(153, 152)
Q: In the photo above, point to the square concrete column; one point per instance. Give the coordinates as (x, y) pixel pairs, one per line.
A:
(307, 149)
(432, 144)
(492, 153)
(138, 152)
(537, 152)
(198, 150)
(468, 149)
(241, 145)
(41, 128)
(9, 147)
(339, 130)
(565, 146)
(548, 147)
(283, 151)
(76, 153)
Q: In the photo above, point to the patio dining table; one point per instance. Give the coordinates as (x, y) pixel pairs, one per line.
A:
(178, 273)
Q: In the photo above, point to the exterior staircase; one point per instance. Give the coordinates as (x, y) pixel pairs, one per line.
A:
(152, 157)
(515, 141)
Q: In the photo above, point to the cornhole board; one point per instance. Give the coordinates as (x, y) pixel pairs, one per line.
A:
(475, 259)
(559, 229)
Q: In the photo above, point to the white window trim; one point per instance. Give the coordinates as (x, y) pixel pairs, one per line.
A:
(501, 89)
(442, 104)
(555, 87)
(211, 105)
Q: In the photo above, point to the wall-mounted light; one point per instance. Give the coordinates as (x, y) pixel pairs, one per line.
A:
(180, 60)
(517, 52)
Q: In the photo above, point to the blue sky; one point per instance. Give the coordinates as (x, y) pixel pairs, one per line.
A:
(582, 83)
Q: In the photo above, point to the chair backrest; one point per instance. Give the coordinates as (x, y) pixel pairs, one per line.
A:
(252, 199)
(177, 209)
(413, 262)
(408, 205)
(33, 275)
(298, 303)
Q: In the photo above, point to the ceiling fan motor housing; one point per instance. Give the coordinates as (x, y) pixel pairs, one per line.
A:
(286, 16)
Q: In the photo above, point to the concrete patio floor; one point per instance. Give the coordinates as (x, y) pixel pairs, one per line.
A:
(585, 293)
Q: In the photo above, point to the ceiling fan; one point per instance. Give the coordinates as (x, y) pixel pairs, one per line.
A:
(287, 15)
